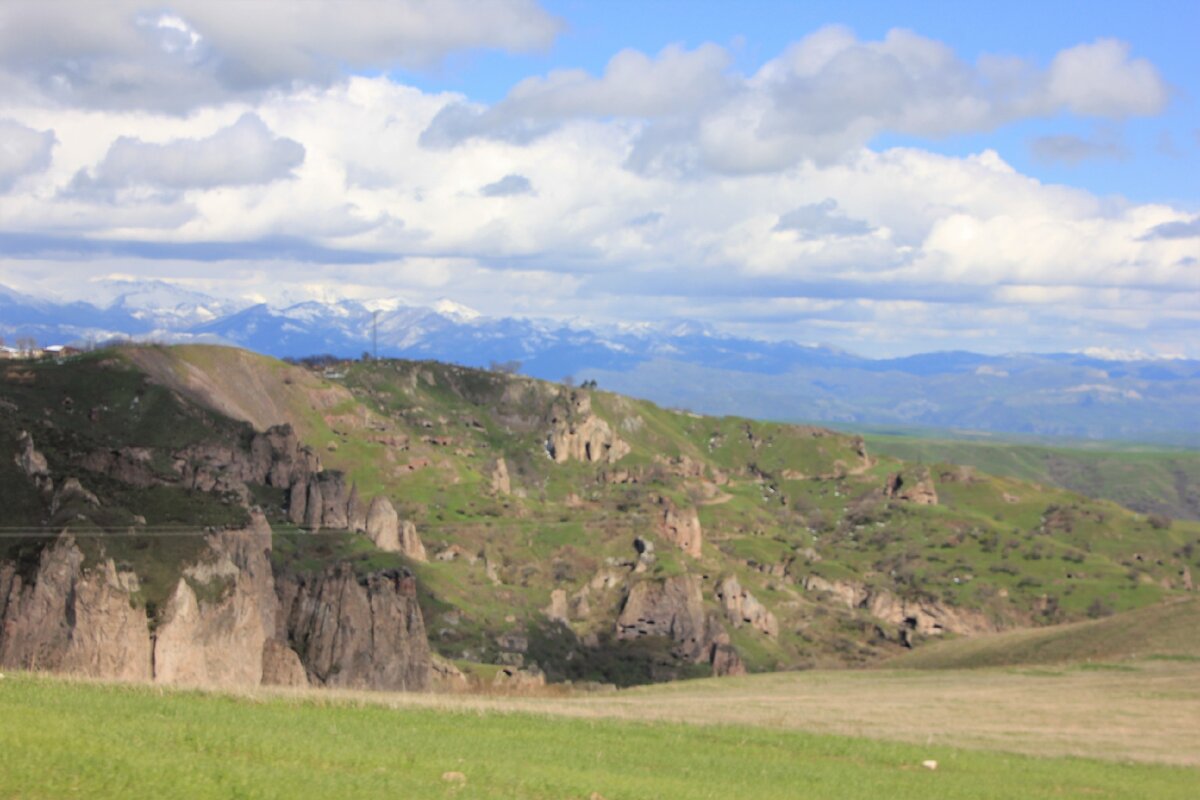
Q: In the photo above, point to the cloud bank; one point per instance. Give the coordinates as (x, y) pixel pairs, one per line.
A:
(241, 158)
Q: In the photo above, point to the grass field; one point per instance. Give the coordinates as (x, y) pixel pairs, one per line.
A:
(71, 739)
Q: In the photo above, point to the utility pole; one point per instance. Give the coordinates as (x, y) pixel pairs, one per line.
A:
(375, 335)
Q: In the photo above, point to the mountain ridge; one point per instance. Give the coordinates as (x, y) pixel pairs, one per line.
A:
(1081, 395)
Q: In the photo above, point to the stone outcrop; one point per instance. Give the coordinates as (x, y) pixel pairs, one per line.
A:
(390, 533)
(579, 435)
(33, 463)
(68, 619)
(679, 526)
(501, 483)
(918, 489)
(228, 621)
(674, 608)
(216, 623)
(274, 457)
(70, 492)
(558, 610)
(514, 679)
(355, 631)
(741, 608)
(281, 666)
(445, 676)
(919, 616)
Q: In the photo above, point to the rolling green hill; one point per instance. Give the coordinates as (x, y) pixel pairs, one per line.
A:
(565, 525)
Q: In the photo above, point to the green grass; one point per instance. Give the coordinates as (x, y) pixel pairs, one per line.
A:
(62, 739)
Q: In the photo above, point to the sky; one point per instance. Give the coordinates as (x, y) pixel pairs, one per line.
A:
(885, 177)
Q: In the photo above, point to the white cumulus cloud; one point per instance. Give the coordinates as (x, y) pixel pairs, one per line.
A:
(23, 151)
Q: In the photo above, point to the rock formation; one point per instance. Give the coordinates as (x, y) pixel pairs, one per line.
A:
(912, 489)
(578, 434)
(68, 619)
(558, 609)
(390, 533)
(281, 666)
(228, 621)
(922, 616)
(680, 527)
(354, 631)
(501, 483)
(674, 608)
(216, 622)
(741, 608)
(31, 461)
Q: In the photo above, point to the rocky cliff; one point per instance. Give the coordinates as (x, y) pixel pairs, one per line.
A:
(674, 608)
(62, 617)
(228, 622)
(356, 631)
(216, 622)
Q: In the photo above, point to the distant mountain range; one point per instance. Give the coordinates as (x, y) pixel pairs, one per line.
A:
(681, 364)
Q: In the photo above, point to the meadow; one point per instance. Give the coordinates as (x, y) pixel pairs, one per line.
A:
(1118, 731)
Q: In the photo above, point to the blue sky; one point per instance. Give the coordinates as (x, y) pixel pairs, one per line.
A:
(758, 31)
(889, 178)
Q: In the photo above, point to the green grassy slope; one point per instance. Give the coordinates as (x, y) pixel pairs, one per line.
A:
(779, 506)
(1167, 631)
(1145, 479)
(153, 744)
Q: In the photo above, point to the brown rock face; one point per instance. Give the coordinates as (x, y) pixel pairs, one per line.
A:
(446, 677)
(356, 632)
(222, 612)
(501, 483)
(679, 526)
(71, 620)
(281, 666)
(741, 608)
(925, 617)
(919, 491)
(514, 679)
(577, 434)
(558, 609)
(674, 608)
(392, 534)
(33, 463)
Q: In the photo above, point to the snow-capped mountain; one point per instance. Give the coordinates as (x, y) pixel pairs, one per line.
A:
(1093, 394)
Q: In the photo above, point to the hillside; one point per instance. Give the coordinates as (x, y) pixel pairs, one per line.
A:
(553, 530)
(1145, 479)
(1168, 631)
